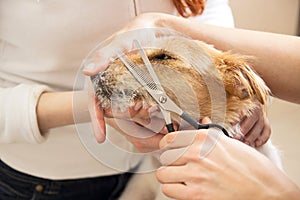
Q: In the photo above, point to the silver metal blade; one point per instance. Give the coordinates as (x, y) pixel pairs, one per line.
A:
(148, 65)
(141, 76)
(145, 80)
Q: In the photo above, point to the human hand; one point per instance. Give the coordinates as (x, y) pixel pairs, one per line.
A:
(255, 128)
(97, 117)
(229, 169)
(98, 62)
(107, 51)
(142, 125)
(145, 28)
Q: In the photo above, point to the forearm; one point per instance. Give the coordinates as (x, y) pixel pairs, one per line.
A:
(55, 109)
(276, 57)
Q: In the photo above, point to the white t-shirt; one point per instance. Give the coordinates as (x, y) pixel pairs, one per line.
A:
(42, 45)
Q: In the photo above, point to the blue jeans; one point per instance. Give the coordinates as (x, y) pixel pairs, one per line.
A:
(16, 185)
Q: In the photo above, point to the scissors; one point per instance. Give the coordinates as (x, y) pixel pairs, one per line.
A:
(153, 86)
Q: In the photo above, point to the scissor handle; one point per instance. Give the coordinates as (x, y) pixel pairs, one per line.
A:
(198, 125)
(170, 127)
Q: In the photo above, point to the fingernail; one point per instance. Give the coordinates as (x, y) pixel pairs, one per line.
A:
(90, 67)
(138, 106)
(258, 143)
(206, 120)
(98, 132)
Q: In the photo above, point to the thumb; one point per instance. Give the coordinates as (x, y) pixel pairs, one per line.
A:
(92, 68)
(97, 119)
(206, 120)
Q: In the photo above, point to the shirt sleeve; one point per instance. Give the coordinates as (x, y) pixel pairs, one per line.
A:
(216, 12)
(18, 120)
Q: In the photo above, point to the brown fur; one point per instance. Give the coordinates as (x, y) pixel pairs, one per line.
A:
(193, 74)
(186, 69)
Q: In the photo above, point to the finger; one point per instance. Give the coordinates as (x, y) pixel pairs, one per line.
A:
(185, 145)
(142, 116)
(99, 62)
(254, 133)
(178, 139)
(132, 129)
(147, 116)
(154, 124)
(101, 58)
(174, 157)
(265, 134)
(138, 111)
(175, 191)
(172, 174)
(97, 119)
(247, 123)
(146, 145)
(151, 118)
(93, 68)
(144, 140)
(108, 53)
(206, 120)
(128, 114)
(118, 113)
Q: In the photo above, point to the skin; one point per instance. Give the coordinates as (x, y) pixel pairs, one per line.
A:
(48, 108)
(256, 128)
(275, 53)
(240, 175)
(231, 170)
(54, 109)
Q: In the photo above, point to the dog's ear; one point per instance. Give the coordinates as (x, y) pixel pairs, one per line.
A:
(239, 78)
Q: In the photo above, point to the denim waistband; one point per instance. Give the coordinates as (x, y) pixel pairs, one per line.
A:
(18, 185)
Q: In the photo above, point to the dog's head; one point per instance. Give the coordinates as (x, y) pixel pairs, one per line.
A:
(198, 78)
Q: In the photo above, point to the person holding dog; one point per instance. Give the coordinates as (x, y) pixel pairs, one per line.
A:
(233, 170)
(42, 45)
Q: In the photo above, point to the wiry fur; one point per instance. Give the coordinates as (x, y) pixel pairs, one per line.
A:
(189, 72)
(244, 90)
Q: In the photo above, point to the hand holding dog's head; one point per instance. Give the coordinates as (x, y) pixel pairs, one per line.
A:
(200, 79)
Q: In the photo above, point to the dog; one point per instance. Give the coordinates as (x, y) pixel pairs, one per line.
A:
(200, 79)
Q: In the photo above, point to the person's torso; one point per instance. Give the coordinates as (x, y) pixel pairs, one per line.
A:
(45, 41)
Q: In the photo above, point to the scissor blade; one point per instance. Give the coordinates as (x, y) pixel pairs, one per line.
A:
(148, 65)
(139, 75)
(152, 87)
(146, 81)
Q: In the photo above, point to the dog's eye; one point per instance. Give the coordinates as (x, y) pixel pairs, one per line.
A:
(162, 56)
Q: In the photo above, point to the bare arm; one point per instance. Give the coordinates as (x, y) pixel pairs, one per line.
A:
(55, 109)
(277, 57)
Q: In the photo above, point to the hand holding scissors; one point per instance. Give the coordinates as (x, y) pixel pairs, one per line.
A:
(152, 84)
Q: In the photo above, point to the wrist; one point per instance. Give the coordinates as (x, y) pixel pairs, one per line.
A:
(54, 109)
